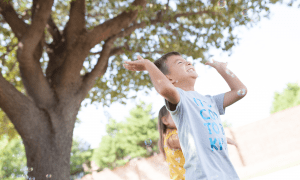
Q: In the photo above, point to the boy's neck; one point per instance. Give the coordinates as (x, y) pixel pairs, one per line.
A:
(186, 88)
(186, 85)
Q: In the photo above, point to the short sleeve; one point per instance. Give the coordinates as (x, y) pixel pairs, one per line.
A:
(178, 110)
(219, 99)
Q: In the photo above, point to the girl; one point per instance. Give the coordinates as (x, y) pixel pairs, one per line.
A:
(169, 144)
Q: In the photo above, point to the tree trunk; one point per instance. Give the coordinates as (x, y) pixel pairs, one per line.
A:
(48, 149)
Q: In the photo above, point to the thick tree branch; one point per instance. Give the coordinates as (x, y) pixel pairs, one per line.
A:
(29, 53)
(76, 23)
(17, 107)
(70, 69)
(36, 29)
(17, 25)
(113, 26)
(53, 30)
(99, 69)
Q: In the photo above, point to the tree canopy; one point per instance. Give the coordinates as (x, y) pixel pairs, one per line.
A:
(290, 97)
(190, 27)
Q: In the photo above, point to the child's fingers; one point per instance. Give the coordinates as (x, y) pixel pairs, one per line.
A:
(129, 62)
(139, 57)
(131, 68)
(208, 63)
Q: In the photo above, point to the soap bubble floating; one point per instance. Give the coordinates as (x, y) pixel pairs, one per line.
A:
(222, 3)
(148, 142)
(241, 92)
(48, 176)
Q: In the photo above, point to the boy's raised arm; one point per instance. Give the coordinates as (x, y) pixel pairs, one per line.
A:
(161, 83)
(238, 89)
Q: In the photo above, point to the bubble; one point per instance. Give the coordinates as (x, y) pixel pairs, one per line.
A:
(222, 3)
(176, 81)
(232, 75)
(48, 175)
(241, 92)
(148, 142)
(20, 45)
(228, 72)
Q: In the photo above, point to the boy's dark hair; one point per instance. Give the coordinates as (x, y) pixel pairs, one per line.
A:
(161, 62)
(162, 129)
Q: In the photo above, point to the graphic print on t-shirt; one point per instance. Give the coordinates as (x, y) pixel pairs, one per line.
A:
(212, 125)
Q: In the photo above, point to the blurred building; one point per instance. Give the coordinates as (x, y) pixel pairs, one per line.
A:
(263, 146)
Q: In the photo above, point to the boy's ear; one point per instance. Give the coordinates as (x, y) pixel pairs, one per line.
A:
(170, 79)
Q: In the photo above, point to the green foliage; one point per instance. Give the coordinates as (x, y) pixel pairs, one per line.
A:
(191, 35)
(12, 158)
(290, 97)
(80, 154)
(126, 140)
(225, 123)
(6, 127)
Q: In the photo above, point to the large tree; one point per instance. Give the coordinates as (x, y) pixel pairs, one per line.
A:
(60, 52)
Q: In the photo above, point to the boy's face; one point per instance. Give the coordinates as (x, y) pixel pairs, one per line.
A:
(181, 72)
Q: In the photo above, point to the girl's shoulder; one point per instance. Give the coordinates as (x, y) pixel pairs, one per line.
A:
(169, 133)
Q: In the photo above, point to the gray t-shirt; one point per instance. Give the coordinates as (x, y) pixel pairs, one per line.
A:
(202, 137)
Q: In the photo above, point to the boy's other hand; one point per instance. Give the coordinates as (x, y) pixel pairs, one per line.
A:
(217, 64)
(138, 65)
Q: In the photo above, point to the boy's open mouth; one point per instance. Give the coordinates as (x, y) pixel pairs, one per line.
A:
(190, 70)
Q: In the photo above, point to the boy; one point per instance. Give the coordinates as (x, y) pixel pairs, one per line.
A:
(197, 117)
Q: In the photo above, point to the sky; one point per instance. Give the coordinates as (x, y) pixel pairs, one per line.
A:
(266, 59)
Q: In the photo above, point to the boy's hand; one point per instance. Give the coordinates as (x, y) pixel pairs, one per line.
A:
(138, 65)
(230, 141)
(217, 64)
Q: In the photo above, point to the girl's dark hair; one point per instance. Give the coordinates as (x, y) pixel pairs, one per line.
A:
(161, 62)
(162, 129)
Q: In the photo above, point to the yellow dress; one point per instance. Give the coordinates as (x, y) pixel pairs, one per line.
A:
(175, 160)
